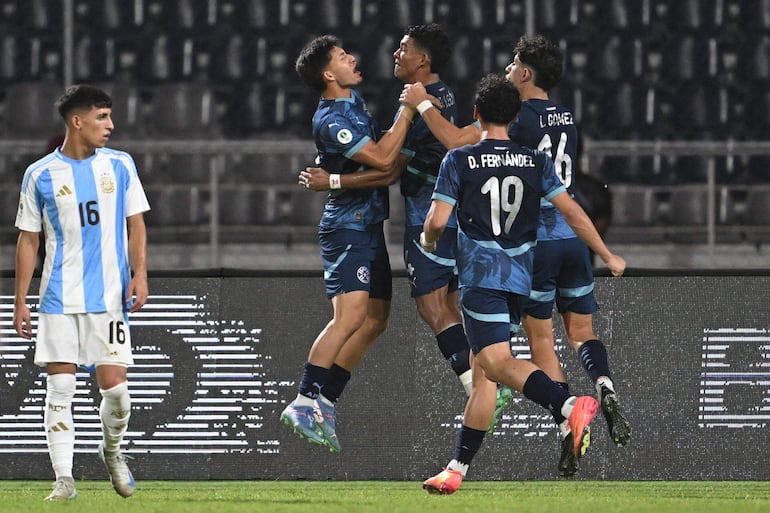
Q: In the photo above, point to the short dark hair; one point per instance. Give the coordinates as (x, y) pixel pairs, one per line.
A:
(432, 39)
(313, 59)
(544, 57)
(497, 100)
(82, 97)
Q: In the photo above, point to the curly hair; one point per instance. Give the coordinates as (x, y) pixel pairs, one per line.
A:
(544, 57)
(497, 99)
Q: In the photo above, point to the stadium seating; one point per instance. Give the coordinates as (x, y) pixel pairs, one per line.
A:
(200, 69)
(29, 110)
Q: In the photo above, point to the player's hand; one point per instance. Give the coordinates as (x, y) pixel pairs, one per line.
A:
(22, 321)
(616, 265)
(413, 94)
(137, 294)
(314, 178)
(430, 248)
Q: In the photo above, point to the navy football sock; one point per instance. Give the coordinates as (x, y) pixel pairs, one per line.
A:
(593, 356)
(313, 380)
(468, 444)
(454, 346)
(558, 418)
(545, 392)
(338, 378)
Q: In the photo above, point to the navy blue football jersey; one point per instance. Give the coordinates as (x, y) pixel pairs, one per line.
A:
(546, 126)
(496, 187)
(341, 127)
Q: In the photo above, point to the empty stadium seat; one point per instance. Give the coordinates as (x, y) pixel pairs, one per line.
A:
(9, 195)
(757, 217)
(758, 206)
(246, 206)
(176, 206)
(40, 15)
(299, 207)
(633, 206)
(127, 109)
(635, 215)
(688, 206)
(29, 110)
(183, 109)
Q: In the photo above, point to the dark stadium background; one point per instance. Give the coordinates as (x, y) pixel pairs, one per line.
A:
(672, 98)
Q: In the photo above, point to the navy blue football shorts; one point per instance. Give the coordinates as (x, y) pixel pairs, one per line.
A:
(490, 316)
(356, 260)
(561, 272)
(430, 271)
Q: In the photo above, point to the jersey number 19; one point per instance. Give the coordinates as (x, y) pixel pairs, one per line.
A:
(499, 204)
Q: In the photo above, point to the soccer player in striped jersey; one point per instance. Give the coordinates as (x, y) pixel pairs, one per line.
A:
(495, 187)
(89, 202)
(356, 264)
(562, 268)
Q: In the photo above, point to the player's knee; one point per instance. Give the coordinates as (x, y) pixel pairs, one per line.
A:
(60, 389)
(377, 325)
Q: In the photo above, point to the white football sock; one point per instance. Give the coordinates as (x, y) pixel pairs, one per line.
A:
(114, 411)
(607, 382)
(566, 408)
(456, 465)
(59, 426)
(466, 378)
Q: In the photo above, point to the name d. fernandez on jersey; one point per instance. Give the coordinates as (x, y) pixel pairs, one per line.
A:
(506, 159)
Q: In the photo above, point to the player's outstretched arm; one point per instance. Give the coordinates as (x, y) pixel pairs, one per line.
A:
(317, 179)
(383, 153)
(581, 224)
(451, 136)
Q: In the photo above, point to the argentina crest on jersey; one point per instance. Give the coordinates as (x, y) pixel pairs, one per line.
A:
(107, 182)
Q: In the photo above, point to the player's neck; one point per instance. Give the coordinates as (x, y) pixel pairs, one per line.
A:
(494, 132)
(76, 150)
(334, 91)
(425, 78)
(533, 93)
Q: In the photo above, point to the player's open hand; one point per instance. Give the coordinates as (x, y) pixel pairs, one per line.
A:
(314, 179)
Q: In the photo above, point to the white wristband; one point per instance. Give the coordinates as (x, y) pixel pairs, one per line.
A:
(335, 182)
(424, 243)
(423, 106)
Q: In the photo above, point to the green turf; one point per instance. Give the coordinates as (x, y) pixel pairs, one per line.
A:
(389, 496)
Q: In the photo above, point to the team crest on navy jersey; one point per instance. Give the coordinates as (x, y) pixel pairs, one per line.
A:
(344, 136)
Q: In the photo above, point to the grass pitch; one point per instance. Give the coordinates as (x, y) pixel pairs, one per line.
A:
(391, 496)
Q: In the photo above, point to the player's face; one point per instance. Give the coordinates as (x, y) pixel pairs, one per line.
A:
(516, 71)
(95, 126)
(408, 60)
(343, 67)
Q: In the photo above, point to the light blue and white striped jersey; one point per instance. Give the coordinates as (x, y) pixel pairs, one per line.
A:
(81, 206)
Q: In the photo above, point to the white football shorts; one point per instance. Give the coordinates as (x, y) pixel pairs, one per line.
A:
(83, 339)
